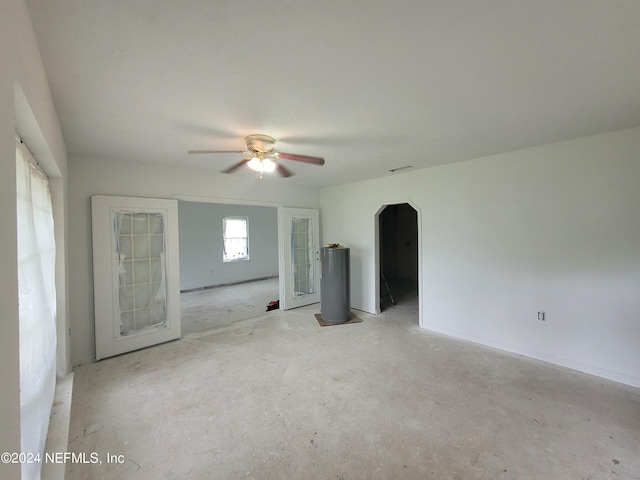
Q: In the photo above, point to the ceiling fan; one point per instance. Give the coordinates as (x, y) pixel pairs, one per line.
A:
(263, 157)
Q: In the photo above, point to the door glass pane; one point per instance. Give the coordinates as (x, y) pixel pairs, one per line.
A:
(140, 254)
(302, 257)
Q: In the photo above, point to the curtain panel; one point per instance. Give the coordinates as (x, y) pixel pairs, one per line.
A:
(37, 306)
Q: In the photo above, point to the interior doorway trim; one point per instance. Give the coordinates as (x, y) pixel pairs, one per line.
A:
(225, 201)
(236, 201)
(376, 220)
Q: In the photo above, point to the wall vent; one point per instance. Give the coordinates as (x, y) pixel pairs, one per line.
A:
(394, 170)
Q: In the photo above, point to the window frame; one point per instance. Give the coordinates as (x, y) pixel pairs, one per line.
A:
(246, 257)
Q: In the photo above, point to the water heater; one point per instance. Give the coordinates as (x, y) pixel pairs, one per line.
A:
(335, 298)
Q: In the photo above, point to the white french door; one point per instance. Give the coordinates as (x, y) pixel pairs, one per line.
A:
(299, 235)
(136, 273)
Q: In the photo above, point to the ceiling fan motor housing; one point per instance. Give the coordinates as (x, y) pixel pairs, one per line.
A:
(260, 143)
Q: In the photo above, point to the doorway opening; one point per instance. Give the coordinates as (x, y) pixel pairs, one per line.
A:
(398, 259)
(214, 290)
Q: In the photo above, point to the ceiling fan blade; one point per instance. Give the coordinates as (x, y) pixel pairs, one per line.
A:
(301, 158)
(215, 151)
(284, 171)
(236, 166)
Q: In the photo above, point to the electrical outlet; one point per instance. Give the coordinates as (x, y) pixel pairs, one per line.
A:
(541, 316)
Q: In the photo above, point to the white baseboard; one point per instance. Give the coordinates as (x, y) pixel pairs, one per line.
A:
(554, 359)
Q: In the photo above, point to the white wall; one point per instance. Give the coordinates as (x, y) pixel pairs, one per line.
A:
(201, 242)
(99, 176)
(26, 107)
(553, 228)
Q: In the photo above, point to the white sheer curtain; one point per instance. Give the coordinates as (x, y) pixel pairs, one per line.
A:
(37, 306)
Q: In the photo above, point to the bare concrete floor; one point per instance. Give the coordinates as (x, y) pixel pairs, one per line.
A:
(213, 307)
(279, 397)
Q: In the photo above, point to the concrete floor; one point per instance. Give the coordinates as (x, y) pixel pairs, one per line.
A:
(212, 307)
(279, 397)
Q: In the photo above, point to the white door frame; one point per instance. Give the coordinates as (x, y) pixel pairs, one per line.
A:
(280, 206)
(235, 201)
(284, 237)
(376, 219)
(106, 274)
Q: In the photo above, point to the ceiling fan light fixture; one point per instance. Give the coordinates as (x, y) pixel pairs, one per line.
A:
(255, 164)
(261, 165)
(268, 165)
(262, 157)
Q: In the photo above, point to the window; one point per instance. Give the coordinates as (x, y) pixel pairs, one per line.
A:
(235, 239)
(37, 305)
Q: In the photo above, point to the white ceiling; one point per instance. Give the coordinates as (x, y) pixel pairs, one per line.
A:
(369, 85)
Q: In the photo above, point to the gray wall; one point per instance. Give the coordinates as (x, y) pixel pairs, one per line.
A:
(407, 243)
(201, 262)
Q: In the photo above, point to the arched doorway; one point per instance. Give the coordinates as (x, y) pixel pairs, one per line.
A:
(398, 259)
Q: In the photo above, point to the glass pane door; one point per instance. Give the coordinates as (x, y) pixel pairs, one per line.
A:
(299, 257)
(302, 256)
(135, 273)
(141, 257)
